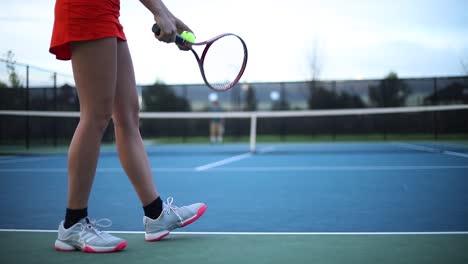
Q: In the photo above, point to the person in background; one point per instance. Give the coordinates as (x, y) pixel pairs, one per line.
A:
(216, 125)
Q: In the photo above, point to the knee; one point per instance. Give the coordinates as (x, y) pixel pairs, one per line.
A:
(97, 121)
(127, 119)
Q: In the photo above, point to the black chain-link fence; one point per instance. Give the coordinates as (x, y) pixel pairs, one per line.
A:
(33, 88)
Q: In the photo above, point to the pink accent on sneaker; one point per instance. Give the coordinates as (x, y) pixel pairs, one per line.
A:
(119, 247)
(200, 212)
(158, 238)
(64, 250)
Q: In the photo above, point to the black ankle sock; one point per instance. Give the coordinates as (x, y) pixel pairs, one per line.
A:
(73, 216)
(154, 209)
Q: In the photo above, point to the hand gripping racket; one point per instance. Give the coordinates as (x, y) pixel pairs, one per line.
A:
(222, 67)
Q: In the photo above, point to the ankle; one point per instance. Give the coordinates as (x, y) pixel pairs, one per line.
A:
(153, 210)
(73, 216)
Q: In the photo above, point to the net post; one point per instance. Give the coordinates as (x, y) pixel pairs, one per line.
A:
(253, 132)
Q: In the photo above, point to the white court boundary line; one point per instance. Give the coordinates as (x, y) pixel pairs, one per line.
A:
(232, 159)
(199, 168)
(343, 168)
(265, 233)
(28, 159)
(116, 169)
(416, 147)
(431, 150)
(266, 150)
(269, 168)
(223, 162)
(453, 153)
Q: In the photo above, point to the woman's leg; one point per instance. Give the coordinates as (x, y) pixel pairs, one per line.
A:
(94, 68)
(212, 132)
(130, 146)
(134, 159)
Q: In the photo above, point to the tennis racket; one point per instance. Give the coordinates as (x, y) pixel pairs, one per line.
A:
(222, 67)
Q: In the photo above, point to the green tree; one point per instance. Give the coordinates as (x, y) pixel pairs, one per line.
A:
(3, 85)
(320, 98)
(282, 104)
(328, 99)
(452, 94)
(464, 65)
(13, 76)
(315, 66)
(390, 92)
(346, 100)
(161, 98)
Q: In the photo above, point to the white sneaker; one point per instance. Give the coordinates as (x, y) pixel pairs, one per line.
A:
(86, 237)
(171, 217)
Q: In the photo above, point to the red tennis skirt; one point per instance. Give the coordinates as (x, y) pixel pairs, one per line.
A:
(81, 20)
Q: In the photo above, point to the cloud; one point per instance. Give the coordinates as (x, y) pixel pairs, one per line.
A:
(361, 37)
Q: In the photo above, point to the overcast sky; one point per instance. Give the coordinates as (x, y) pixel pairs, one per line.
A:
(352, 39)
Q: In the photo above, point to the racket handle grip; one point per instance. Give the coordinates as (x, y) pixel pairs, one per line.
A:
(179, 40)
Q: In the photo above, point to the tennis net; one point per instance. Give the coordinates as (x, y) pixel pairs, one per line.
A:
(27, 129)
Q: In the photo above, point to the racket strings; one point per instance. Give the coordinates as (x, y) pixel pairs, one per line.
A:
(224, 62)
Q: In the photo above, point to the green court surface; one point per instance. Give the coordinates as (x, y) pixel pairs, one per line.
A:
(37, 247)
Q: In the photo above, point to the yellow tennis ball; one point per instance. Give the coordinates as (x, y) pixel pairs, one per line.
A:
(188, 36)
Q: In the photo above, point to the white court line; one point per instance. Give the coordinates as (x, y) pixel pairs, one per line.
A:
(453, 145)
(265, 233)
(458, 154)
(269, 168)
(416, 147)
(266, 150)
(7, 157)
(223, 162)
(62, 170)
(342, 168)
(432, 150)
(22, 159)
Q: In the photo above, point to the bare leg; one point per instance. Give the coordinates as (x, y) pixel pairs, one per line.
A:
(130, 146)
(94, 69)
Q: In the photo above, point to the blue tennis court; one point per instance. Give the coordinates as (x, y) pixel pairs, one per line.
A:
(322, 187)
(311, 189)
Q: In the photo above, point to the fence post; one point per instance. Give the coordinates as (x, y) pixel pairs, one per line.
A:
(55, 108)
(186, 122)
(28, 134)
(283, 102)
(333, 118)
(435, 114)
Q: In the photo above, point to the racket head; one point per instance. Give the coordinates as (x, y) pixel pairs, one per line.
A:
(223, 61)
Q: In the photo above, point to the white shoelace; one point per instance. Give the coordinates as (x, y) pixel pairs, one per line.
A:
(170, 207)
(93, 224)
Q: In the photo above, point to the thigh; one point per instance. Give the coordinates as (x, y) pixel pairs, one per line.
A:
(95, 70)
(218, 128)
(126, 105)
(212, 127)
